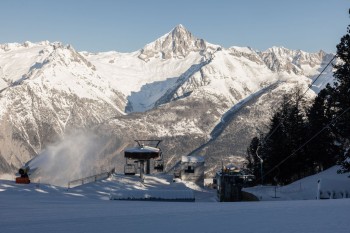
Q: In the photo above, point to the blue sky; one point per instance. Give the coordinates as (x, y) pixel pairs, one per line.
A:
(127, 25)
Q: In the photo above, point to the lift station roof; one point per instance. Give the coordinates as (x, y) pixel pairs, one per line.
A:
(142, 152)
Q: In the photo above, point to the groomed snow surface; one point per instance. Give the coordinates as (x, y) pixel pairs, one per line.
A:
(87, 208)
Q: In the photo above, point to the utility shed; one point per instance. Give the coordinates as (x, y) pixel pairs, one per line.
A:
(230, 181)
(192, 169)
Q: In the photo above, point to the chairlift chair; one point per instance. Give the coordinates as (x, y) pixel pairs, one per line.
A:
(129, 169)
(159, 165)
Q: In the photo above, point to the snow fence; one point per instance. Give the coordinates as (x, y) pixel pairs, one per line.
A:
(333, 188)
(154, 195)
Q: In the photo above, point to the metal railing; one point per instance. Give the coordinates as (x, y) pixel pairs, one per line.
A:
(90, 179)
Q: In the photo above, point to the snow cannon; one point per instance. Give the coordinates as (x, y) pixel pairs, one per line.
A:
(24, 175)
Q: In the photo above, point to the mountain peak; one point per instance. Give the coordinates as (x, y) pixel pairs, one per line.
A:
(178, 29)
(177, 43)
(180, 33)
(180, 26)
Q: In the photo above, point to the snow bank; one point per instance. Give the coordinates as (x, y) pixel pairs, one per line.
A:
(306, 188)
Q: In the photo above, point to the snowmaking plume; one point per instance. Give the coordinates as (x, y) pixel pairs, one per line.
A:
(74, 157)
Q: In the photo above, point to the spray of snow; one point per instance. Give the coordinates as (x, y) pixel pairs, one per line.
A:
(74, 157)
(6, 177)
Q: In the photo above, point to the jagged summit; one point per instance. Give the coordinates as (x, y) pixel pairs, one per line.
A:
(280, 59)
(180, 32)
(32, 59)
(28, 44)
(177, 43)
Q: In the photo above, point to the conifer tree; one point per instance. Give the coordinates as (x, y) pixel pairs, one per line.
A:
(276, 146)
(323, 150)
(342, 96)
(287, 132)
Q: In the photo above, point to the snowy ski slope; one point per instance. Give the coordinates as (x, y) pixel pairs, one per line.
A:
(44, 208)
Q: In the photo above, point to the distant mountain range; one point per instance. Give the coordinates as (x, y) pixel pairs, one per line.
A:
(198, 97)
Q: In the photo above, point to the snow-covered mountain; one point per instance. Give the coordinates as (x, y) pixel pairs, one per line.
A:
(184, 90)
(47, 90)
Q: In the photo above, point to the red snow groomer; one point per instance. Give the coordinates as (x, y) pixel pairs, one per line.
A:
(24, 175)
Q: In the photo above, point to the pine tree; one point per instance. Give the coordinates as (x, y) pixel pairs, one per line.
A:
(323, 150)
(287, 132)
(342, 95)
(276, 145)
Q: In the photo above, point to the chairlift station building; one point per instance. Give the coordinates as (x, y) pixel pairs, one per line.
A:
(191, 169)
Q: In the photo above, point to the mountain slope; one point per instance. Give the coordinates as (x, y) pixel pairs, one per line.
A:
(55, 90)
